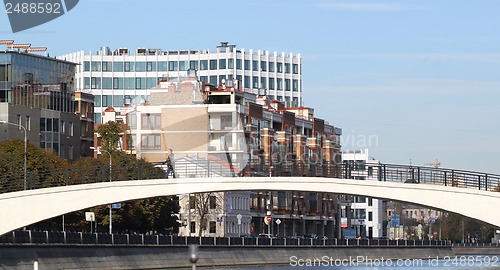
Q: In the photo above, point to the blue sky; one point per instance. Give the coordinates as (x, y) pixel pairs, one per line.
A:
(420, 76)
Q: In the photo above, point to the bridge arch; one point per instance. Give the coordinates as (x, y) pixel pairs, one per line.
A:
(19, 209)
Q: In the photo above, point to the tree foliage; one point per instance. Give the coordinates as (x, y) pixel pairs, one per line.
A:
(146, 215)
(109, 134)
(455, 227)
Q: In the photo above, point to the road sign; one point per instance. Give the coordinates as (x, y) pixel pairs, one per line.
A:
(432, 220)
(116, 206)
(343, 222)
(278, 221)
(267, 220)
(219, 219)
(89, 216)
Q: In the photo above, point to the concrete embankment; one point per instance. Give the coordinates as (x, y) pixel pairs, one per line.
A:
(476, 250)
(50, 257)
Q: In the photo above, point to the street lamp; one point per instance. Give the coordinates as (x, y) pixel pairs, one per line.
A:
(25, 146)
(99, 150)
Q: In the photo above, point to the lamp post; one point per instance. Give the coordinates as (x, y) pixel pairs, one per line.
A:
(25, 146)
(99, 150)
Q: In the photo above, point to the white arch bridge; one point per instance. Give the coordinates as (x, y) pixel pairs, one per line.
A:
(21, 208)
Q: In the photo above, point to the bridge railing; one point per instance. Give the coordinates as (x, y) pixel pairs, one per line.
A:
(87, 238)
(378, 172)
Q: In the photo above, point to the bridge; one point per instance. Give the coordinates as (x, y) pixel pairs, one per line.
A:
(462, 192)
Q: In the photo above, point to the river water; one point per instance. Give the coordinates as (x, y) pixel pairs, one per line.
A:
(486, 262)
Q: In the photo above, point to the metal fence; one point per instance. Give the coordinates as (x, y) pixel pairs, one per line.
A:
(382, 172)
(85, 238)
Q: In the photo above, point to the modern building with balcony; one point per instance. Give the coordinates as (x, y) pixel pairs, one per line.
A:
(223, 130)
(122, 77)
(38, 93)
(366, 214)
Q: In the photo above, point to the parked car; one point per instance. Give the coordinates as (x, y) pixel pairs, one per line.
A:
(266, 235)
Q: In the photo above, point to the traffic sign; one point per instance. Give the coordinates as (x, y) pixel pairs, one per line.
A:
(278, 221)
(267, 220)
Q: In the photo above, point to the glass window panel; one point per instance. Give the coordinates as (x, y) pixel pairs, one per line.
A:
(255, 65)
(193, 65)
(107, 83)
(203, 64)
(230, 63)
(95, 66)
(140, 66)
(222, 63)
(117, 66)
(238, 63)
(247, 64)
(163, 66)
(117, 83)
(173, 65)
(183, 65)
(86, 66)
(287, 67)
(213, 64)
(151, 66)
(271, 66)
(263, 65)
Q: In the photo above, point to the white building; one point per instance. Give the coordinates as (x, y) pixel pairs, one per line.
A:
(121, 77)
(366, 213)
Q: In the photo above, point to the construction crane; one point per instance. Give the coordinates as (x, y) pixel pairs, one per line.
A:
(436, 164)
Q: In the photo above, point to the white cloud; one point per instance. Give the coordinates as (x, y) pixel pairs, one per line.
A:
(364, 6)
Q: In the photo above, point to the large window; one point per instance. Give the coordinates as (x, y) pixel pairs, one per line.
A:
(295, 85)
(106, 66)
(226, 122)
(280, 68)
(151, 66)
(213, 227)
(287, 67)
(213, 202)
(95, 66)
(95, 83)
(295, 69)
(203, 64)
(151, 121)
(163, 66)
(271, 66)
(255, 65)
(183, 65)
(173, 66)
(213, 64)
(222, 63)
(271, 83)
(263, 65)
(238, 63)
(193, 65)
(117, 66)
(140, 66)
(247, 64)
(151, 142)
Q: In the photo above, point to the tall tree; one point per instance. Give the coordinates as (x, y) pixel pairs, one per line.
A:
(110, 135)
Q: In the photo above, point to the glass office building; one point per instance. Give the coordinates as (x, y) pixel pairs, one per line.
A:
(119, 78)
(38, 93)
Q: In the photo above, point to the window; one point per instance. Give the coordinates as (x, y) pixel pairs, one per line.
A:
(86, 66)
(213, 227)
(295, 85)
(140, 66)
(71, 129)
(129, 66)
(118, 66)
(370, 216)
(213, 202)
(63, 128)
(280, 84)
(192, 202)
(19, 123)
(106, 66)
(238, 63)
(193, 65)
(95, 83)
(370, 202)
(204, 78)
(255, 65)
(263, 65)
(151, 121)
(86, 83)
(151, 66)
(226, 122)
(271, 66)
(213, 64)
(247, 82)
(222, 63)
(226, 141)
(213, 80)
(271, 83)
(95, 66)
(287, 67)
(247, 64)
(137, 83)
(263, 83)
(295, 69)
(163, 66)
(28, 123)
(203, 64)
(230, 63)
(106, 83)
(151, 142)
(117, 83)
(173, 66)
(192, 227)
(129, 83)
(287, 84)
(183, 65)
(255, 81)
(280, 68)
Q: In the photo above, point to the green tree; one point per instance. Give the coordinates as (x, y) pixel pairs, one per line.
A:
(110, 135)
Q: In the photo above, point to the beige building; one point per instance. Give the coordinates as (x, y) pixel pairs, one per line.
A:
(225, 131)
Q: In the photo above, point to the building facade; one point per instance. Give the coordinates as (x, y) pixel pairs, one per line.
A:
(122, 77)
(38, 93)
(365, 217)
(222, 130)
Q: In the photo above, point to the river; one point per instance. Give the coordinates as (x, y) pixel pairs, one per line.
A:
(487, 262)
